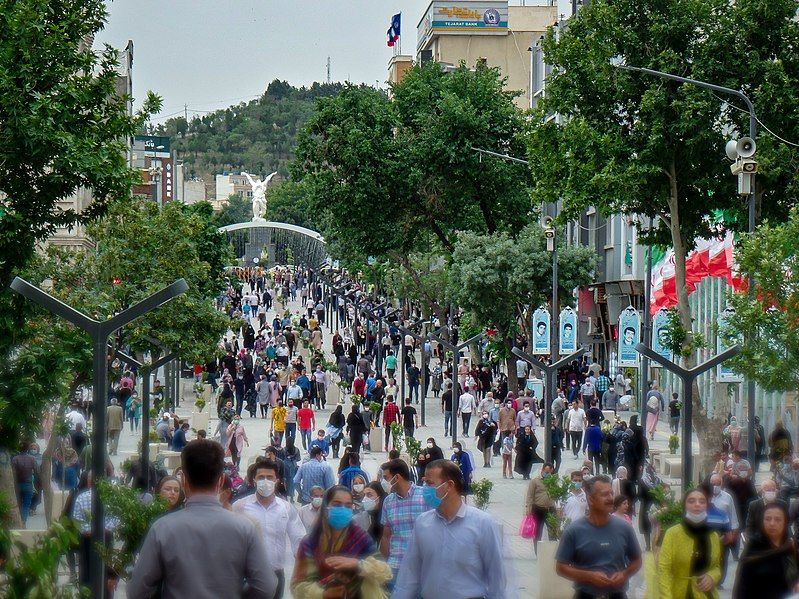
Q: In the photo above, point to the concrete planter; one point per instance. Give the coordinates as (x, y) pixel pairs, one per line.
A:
(550, 585)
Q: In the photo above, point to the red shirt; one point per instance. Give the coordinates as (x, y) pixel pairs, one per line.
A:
(305, 415)
(390, 413)
(359, 385)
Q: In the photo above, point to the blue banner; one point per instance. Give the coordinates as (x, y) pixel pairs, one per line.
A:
(541, 323)
(629, 336)
(659, 326)
(567, 343)
(724, 373)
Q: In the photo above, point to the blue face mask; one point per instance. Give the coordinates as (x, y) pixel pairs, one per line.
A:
(431, 497)
(339, 516)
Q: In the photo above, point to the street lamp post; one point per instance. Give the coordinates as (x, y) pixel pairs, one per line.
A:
(688, 376)
(750, 388)
(99, 331)
(551, 372)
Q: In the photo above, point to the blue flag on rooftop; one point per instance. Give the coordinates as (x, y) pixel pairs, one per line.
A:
(393, 33)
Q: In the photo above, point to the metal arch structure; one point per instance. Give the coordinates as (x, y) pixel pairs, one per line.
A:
(284, 243)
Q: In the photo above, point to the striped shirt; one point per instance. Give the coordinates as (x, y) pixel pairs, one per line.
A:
(400, 514)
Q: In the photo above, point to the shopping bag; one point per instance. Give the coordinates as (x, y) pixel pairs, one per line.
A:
(528, 527)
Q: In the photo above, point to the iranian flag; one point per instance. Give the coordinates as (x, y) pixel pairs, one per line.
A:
(710, 258)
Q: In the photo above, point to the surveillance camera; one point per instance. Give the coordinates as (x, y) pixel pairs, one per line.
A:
(746, 147)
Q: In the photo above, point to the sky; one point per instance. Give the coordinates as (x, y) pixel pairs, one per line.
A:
(210, 55)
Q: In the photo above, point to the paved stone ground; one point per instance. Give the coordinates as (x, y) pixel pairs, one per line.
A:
(507, 498)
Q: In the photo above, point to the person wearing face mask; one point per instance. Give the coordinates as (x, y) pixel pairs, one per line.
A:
(346, 477)
(576, 504)
(428, 569)
(368, 517)
(220, 568)
(337, 558)
(724, 503)
(689, 563)
(526, 417)
(754, 515)
(277, 521)
(309, 513)
(237, 437)
(427, 454)
(464, 461)
(485, 432)
(404, 504)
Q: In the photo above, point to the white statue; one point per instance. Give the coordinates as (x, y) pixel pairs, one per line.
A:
(258, 195)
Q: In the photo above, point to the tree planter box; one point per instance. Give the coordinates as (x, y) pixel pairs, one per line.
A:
(199, 420)
(550, 585)
(376, 436)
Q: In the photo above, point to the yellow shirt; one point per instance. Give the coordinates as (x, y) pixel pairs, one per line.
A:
(674, 564)
(279, 418)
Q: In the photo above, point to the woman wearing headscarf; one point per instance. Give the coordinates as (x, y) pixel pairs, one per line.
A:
(526, 442)
(335, 429)
(355, 429)
(337, 557)
(237, 438)
(689, 562)
(624, 487)
(769, 567)
(464, 462)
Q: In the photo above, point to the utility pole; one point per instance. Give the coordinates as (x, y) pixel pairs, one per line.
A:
(328, 70)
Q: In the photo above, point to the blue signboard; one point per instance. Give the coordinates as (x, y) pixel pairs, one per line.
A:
(567, 343)
(541, 323)
(629, 336)
(659, 326)
(725, 374)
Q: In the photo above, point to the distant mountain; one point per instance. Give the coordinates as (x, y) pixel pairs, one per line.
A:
(257, 137)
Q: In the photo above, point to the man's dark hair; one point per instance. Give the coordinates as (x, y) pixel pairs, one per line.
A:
(262, 464)
(449, 471)
(526, 403)
(354, 459)
(397, 467)
(203, 462)
(315, 451)
(631, 329)
(590, 484)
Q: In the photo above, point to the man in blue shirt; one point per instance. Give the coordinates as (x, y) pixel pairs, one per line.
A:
(592, 440)
(455, 549)
(179, 438)
(313, 473)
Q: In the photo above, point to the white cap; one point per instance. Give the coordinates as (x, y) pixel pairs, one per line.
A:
(165, 415)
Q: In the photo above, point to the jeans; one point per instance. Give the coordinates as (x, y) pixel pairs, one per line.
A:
(466, 418)
(413, 391)
(596, 459)
(674, 422)
(212, 381)
(134, 420)
(291, 431)
(278, 438)
(305, 434)
(25, 499)
(447, 423)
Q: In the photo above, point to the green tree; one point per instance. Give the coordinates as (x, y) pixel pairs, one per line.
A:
(502, 280)
(64, 127)
(771, 320)
(630, 143)
(289, 203)
(236, 210)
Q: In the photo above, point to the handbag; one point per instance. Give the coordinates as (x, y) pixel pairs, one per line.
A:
(528, 527)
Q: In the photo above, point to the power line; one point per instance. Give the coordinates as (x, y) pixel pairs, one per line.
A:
(783, 140)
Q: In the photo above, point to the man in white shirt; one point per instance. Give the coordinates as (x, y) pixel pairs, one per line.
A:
(277, 520)
(575, 424)
(75, 417)
(576, 504)
(521, 373)
(587, 392)
(466, 405)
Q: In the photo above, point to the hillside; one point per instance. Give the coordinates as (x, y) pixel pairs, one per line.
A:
(258, 136)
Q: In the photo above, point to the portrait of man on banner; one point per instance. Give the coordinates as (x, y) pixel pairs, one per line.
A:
(659, 330)
(629, 336)
(567, 342)
(541, 323)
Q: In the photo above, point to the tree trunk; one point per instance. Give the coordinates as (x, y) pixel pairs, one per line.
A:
(8, 488)
(708, 430)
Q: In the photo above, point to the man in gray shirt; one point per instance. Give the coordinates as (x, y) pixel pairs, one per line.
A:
(600, 552)
(202, 551)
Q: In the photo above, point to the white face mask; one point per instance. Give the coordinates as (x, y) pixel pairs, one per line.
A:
(369, 504)
(769, 495)
(316, 502)
(696, 518)
(430, 446)
(358, 488)
(387, 486)
(265, 487)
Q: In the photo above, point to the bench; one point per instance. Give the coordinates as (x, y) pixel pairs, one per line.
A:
(673, 466)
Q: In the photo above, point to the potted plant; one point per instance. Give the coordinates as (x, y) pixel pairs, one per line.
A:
(481, 491)
(674, 443)
(397, 435)
(413, 448)
(200, 404)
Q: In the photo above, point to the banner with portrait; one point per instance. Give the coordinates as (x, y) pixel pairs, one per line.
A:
(724, 374)
(540, 325)
(567, 341)
(629, 336)
(660, 325)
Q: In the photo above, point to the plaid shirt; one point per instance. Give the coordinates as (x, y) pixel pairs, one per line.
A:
(602, 384)
(390, 413)
(82, 513)
(400, 514)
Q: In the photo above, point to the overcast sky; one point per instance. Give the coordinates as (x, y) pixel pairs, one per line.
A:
(210, 54)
